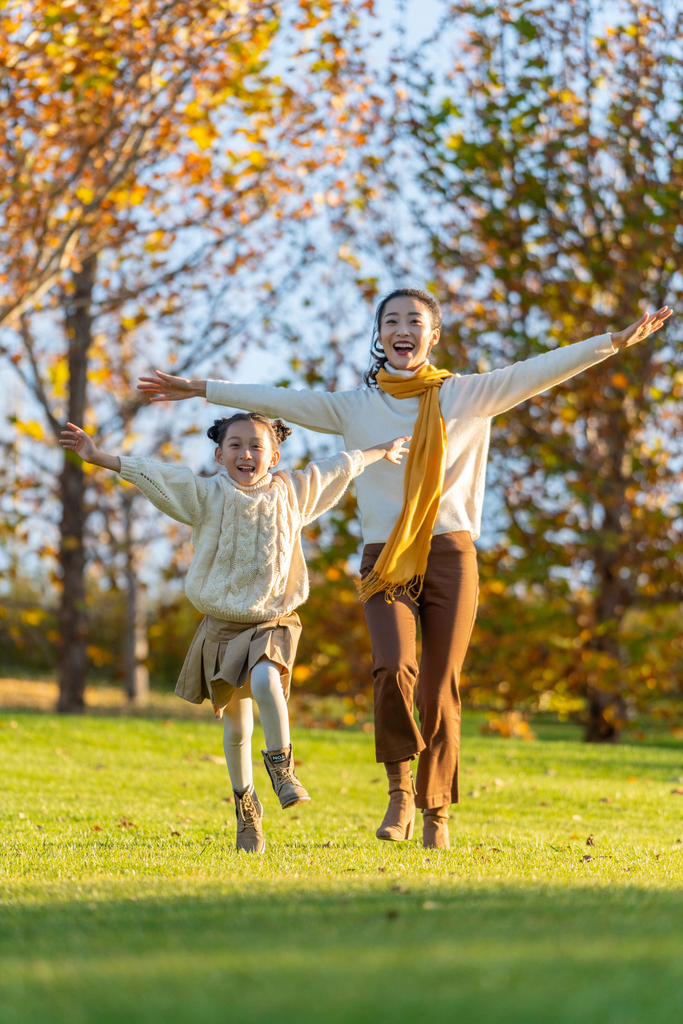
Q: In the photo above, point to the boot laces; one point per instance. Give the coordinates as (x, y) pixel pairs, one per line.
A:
(248, 811)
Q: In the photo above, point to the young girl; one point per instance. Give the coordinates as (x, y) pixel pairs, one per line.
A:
(419, 524)
(248, 575)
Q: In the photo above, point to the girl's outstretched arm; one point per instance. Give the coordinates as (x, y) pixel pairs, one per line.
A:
(392, 451)
(76, 440)
(174, 490)
(320, 485)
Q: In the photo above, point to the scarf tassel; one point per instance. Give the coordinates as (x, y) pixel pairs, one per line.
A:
(374, 584)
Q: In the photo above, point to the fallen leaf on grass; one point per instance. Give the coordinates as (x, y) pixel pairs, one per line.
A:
(97, 828)
(576, 817)
(228, 799)
(678, 790)
(372, 781)
(392, 914)
(213, 758)
(605, 799)
(22, 815)
(125, 823)
(586, 857)
(429, 905)
(632, 778)
(498, 782)
(589, 841)
(328, 844)
(174, 833)
(399, 888)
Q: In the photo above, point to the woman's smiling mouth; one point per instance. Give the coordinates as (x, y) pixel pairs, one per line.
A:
(403, 346)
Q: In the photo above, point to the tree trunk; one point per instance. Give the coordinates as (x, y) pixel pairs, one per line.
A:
(136, 643)
(72, 616)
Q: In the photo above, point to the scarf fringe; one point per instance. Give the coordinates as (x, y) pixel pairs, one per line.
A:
(374, 584)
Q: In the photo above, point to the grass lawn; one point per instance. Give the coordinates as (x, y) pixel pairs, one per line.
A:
(123, 899)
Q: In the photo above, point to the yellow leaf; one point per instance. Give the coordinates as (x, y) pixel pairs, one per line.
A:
(85, 194)
(31, 428)
(203, 134)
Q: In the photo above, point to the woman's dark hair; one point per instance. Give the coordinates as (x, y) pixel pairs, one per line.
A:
(377, 355)
(277, 430)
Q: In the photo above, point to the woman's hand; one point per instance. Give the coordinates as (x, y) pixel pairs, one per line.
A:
(643, 328)
(76, 440)
(165, 388)
(393, 451)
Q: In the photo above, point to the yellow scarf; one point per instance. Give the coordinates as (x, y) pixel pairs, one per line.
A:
(401, 565)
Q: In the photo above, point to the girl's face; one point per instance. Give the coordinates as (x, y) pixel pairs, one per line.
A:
(247, 452)
(406, 333)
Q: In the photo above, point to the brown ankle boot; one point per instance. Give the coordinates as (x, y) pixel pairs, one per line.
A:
(399, 820)
(435, 829)
(249, 814)
(280, 767)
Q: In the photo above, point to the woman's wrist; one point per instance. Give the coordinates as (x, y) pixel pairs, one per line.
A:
(106, 461)
(198, 388)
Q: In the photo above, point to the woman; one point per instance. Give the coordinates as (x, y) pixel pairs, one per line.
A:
(419, 523)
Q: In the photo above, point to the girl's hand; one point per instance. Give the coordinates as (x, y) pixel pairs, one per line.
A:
(391, 450)
(165, 388)
(395, 450)
(76, 440)
(647, 325)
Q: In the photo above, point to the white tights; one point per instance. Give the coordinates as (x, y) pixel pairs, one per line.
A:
(238, 722)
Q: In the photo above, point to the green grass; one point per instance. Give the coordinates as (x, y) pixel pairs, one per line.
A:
(106, 921)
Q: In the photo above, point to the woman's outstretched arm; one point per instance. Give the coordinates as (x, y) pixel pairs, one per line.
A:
(316, 410)
(488, 394)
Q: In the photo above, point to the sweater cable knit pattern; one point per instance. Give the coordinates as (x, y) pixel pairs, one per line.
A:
(248, 563)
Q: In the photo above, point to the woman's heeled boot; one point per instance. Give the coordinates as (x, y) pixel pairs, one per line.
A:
(399, 820)
(435, 829)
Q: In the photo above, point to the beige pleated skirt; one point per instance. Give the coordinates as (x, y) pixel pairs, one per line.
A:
(222, 655)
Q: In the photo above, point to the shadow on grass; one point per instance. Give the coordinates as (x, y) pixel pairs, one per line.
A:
(440, 952)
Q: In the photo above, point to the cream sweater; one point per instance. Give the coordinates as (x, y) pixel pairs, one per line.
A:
(248, 564)
(367, 416)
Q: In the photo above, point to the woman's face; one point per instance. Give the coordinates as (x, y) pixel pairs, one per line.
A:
(406, 333)
(247, 452)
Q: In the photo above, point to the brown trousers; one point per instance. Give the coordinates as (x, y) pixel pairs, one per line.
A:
(446, 608)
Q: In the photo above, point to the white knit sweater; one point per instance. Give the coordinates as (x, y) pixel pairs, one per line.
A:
(368, 416)
(248, 564)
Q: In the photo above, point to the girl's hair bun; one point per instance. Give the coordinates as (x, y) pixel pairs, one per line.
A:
(217, 431)
(281, 430)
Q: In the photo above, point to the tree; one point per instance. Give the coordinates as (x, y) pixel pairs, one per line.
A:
(553, 152)
(148, 154)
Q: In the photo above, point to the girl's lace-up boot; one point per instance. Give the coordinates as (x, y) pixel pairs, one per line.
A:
(249, 813)
(280, 767)
(399, 820)
(435, 829)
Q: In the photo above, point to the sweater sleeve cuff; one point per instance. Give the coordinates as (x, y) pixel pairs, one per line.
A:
(130, 468)
(602, 345)
(218, 392)
(357, 461)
